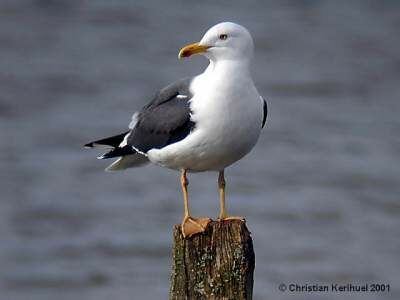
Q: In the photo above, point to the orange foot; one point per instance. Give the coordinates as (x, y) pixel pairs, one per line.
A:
(190, 226)
(242, 219)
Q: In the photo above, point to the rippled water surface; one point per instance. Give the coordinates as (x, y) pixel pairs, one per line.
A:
(320, 191)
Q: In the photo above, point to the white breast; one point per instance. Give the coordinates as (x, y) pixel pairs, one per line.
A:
(228, 115)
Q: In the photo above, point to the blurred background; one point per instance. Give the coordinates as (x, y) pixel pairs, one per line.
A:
(320, 191)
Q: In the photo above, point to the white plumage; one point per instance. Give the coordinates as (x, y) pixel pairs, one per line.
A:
(228, 113)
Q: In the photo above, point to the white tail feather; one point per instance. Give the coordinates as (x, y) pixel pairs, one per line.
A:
(129, 161)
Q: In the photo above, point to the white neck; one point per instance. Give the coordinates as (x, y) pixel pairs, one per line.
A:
(240, 67)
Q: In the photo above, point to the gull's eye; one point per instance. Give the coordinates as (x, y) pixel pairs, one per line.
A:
(223, 36)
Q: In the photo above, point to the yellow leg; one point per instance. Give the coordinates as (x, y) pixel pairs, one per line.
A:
(190, 226)
(184, 185)
(221, 187)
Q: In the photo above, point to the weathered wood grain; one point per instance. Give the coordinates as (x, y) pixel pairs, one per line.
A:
(216, 264)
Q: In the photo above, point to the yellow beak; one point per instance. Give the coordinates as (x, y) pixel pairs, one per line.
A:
(191, 49)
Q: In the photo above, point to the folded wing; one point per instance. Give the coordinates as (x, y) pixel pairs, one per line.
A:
(165, 120)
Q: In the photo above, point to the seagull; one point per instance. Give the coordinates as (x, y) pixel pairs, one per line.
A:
(203, 123)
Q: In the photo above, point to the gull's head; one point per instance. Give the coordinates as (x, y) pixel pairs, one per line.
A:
(224, 41)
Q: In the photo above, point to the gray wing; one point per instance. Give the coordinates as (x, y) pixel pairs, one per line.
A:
(165, 120)
(265, 110)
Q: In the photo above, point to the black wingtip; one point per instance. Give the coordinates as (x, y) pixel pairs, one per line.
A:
(89, 145)
(113, 141)
(117, 152)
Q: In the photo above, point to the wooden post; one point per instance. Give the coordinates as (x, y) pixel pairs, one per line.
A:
(216, 264)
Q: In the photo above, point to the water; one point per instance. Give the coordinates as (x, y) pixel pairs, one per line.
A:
(320, 191)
